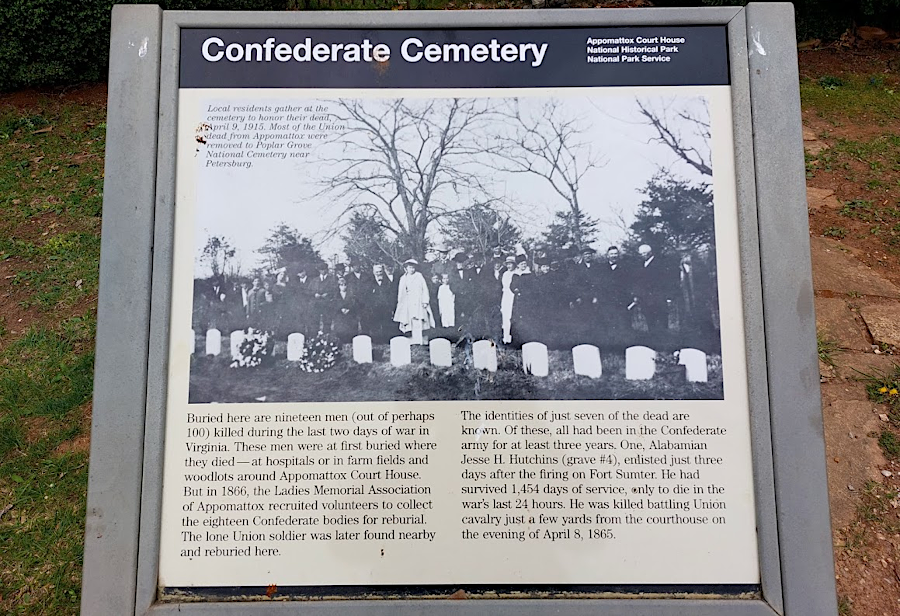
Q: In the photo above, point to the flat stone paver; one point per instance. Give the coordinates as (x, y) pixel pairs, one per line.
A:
(836, 322)
(853, 457)
(822, 198)
(883, 321)
(811, 144)
(854, 365)
(840, 272)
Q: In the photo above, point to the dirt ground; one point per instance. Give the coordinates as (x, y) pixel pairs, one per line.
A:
(853, 183)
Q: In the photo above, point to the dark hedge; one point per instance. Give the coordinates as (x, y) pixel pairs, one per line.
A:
(61, 42)
(826, 19)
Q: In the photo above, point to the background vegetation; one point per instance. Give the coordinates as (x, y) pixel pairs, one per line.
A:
(60, 42)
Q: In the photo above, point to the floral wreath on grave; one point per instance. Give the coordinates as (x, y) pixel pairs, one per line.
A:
(254, 350)
(320, 353)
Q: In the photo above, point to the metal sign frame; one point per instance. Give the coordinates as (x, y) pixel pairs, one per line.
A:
(125, 484)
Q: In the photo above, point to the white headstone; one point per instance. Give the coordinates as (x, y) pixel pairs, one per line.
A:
(193, 341)
(295, 346)
(400, 355)
(362, 349)
(213, 342)
(440, 352)
(586, 358)
(534, 359)
(237, 337)
(640, 363)
(485, 355)
(694, 362)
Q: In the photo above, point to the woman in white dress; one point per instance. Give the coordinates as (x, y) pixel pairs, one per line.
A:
(446, 302)
(413, 303)
(506, 300)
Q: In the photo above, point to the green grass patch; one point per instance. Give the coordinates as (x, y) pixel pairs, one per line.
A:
(51, 180)
(45, 380)
(890, 444)
(884, 388)
(826, 348)
(838, 232)
(845, 608)
(60, 270)
(51, 183)
(836, 98)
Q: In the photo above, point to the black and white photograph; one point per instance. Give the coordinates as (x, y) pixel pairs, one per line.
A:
(539, 247)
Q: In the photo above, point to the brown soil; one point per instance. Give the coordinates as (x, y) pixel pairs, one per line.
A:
(82, 442)
(881, 252)
(16, 313)
(866, 512)
(14, 319)
(90, 94)
(840, 62)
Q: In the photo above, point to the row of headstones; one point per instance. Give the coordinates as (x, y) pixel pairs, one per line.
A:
(640, 361)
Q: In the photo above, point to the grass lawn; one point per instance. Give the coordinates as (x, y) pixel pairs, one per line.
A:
(51, 178)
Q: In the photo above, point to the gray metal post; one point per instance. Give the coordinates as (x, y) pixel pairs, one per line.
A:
(117, 434)
(804, 526)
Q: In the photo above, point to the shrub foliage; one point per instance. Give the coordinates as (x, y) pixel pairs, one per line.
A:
(60, 42)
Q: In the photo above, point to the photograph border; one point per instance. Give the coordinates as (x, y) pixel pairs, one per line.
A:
(121, 552)
(213, 206)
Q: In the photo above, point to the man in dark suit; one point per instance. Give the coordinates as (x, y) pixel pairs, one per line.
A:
(652, 291)
(614, 300)
(324, 291)
(443, 264)
(462, 286)
(298, 301)
(358, 280)
(584, 288)
(378, 306)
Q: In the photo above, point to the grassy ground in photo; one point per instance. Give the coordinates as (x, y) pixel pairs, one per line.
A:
(212, 380)
(51, 178)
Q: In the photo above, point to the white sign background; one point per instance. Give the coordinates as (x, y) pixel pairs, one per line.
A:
(640, 554)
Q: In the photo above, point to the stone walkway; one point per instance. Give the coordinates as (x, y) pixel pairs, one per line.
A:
(859, 310)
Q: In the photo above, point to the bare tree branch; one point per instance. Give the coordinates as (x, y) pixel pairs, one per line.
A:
(406, 161)
(547, 144)
(666, 127)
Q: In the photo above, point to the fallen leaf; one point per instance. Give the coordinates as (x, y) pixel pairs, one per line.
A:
(42, 130)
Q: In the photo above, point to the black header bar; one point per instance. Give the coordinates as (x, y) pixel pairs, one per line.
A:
(453, 58)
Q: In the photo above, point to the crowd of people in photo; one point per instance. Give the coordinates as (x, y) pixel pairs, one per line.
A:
(560, 298)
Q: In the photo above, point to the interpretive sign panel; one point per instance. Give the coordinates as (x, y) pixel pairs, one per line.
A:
(296, 208)
(463, 303)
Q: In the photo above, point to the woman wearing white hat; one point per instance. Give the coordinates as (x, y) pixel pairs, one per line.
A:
(507, 298)
(413, 303)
